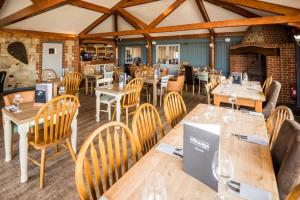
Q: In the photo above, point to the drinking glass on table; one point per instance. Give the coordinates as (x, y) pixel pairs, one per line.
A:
(155, 187)
(233, 100)
(222, 168)
(49, 76)
(62, 90)
(17, 100)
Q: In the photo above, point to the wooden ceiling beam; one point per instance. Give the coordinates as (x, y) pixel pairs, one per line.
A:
(166, 13)
(233, 8)
(35, 1)
(265, 6)
(137, 2)
(1, 3)
(91, 6)
(32, 10)
(215, 24)
(204, 14)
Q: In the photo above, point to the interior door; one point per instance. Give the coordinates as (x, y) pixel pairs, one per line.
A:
(53, 57)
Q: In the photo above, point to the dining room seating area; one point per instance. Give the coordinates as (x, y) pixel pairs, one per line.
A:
(150, 99)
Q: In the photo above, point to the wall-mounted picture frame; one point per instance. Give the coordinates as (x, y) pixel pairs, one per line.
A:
(52, 51)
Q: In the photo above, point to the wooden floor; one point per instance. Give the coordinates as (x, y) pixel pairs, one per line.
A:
(59, 173)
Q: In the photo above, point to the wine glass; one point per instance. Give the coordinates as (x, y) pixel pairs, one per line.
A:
(49, 76)
(232, 99)
(222, 168)
(62, 90)
(17, 100)
(155, 187)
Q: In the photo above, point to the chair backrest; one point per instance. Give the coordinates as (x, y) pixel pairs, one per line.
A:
(174, 108)
(164, 81)
(208, 88)
(275, 121)
(149, 71)
(2, 79)
(116, 75)
(271, 99)
(108, 74)
(28, 96)
(138, 72)
(294, 194)
(57, 116)
(72, 83)
(132, 92)
(267, 84)
(103, 159)
(285, 156)
(48, 74)
(203, 76)
(147, 126)
(189, 74)
(176, 85)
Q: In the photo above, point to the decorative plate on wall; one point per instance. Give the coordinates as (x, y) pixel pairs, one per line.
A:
(18, 51)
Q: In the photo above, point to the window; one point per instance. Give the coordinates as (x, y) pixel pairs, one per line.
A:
(168, 54)
(132, 55)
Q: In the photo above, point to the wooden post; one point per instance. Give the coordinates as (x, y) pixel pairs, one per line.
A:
(212, 50)
(149, 42)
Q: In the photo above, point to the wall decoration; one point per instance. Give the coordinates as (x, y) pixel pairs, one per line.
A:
(18, 51)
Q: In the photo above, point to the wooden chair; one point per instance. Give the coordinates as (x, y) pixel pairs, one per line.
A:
(174, 108)
(149, 71)
(176, 86)
(138, 72)
(116, 75)
(57, 116)
(28, 96)
(275, 121)
(103, 159)
(208, 88)
(131, 98)
(48, 74)
(72, 83)
(267, 84)
(147, 126)
(294, 194)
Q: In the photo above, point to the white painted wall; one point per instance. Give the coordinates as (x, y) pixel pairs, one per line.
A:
(53, 61)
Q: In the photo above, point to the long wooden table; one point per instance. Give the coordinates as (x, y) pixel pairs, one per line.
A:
(24, 120)
(252, 163)
(248, 94)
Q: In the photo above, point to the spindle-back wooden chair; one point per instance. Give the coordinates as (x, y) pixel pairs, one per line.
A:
(275, 121)
(267, 84)
(208, 87)
(174, 108)
(72, 82)
(48, 74)
(294, 194)
(103, 159)
(117, 72)
(56, 117)
(147, 126)
(138, 72)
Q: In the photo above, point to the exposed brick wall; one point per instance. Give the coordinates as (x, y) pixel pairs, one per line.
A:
(241, 63)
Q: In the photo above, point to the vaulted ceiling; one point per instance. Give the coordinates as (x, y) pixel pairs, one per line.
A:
(105, 16)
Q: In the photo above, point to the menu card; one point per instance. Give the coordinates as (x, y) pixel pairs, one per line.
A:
(200, 143)
(237, 78)
(43, 92)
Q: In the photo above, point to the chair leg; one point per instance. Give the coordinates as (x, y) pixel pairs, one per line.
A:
(160, 99)
(114, 114)
(42, 168)
(71, 149)
(109, 112)
(185, 87)
(127, 117)
(193, 89)
(199, 87)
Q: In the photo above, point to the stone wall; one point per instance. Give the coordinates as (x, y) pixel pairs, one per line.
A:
(21, 75)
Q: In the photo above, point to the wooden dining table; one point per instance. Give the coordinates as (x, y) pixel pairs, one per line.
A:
(248, 94)
(24, 120)
(252, 162)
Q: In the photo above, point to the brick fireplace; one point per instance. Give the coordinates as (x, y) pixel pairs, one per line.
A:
(267, 51)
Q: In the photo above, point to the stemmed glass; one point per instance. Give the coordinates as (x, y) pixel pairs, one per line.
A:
(49, 76)
(233, 100)
(17, 100)
(222, 168)
(62, 90)
(155, 187)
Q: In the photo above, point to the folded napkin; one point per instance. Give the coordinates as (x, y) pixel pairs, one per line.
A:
(169, 149)
(250, 192)
(255, 139)
(103, 198)
(255, 113)
(11, 108)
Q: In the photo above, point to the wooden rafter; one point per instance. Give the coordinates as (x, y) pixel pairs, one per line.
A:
(32, 10)
(265, 6)
(1, 3)
(116, 27)
(137, 2)
(35, 1)
(204, 14)
(233, 8)
(216, 24)
(91, 6)
(166, 13)
(94, 24)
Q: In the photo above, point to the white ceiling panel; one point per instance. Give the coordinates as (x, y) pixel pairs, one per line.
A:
(105, 3)
(106, 26)
(231, 29)
(259, 12)
(65, 19)
(131, 36)
(148, 12)
(186, 13)
(202, 31)
(123, 25)
(12, 6)
(289, 3)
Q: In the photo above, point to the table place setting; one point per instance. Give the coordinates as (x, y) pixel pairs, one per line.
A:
(169, 149)
(252, 139)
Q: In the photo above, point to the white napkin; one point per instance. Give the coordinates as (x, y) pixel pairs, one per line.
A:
(103, 198)
(11, 108)
(255, 113)
(250, 192)
(256, 140)
(168, 149)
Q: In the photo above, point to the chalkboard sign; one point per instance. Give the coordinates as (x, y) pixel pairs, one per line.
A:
(236, 78)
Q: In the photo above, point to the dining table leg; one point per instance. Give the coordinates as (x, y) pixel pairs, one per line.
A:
(154, 93)
(258, 106)
(216, 100)
(118, 108)
(23, 130)
(74, 133)
(97, 106)
(86, 86)
(7, 137)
